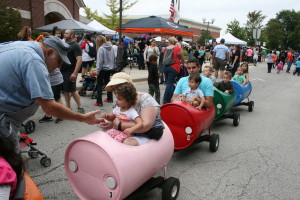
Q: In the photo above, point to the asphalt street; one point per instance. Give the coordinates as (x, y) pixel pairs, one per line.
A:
(259, 159)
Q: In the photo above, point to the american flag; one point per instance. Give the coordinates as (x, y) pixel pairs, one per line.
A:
(172, 11)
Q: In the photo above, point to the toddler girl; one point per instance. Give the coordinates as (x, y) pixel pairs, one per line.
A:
(126, 96)
(239, 76)
(245, 67)
(279, 67)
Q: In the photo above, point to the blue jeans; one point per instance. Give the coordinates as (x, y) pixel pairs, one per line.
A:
(289, 66)
(170, 75)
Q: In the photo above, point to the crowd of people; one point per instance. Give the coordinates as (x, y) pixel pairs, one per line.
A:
(36, 73)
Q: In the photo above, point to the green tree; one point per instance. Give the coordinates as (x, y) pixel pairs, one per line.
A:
(110, 20)
(254, 21)
(114, 7)
(236, 30)
(94, 15)
(10, 23)
(275, 34)
(289, 21)
(204, 37)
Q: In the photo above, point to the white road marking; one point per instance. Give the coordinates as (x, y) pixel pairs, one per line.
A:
(257, 79)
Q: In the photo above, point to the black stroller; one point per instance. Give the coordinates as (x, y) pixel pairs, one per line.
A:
(89, 84)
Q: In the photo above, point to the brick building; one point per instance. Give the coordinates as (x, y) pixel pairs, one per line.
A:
(37, 13)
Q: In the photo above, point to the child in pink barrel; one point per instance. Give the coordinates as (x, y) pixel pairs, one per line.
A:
(11, 165)
(126, 96)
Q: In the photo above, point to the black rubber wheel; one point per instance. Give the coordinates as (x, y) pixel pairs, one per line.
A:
(82, 92)
(236, 119)
(170, 189)
(45, 161)
(214, 142)
(29, 127)
(251, 106)
(33, 154)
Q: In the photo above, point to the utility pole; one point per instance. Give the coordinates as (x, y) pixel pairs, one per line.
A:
(120, 21)
(120, 53)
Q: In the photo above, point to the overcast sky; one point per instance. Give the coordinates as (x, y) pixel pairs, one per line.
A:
(223, 11)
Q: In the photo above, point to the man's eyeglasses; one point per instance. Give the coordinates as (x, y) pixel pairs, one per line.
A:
(193, 67)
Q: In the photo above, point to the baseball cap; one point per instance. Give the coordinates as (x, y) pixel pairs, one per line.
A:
(117, 79)
(59, 45)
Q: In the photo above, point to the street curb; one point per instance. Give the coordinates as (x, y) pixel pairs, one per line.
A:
(137, 80)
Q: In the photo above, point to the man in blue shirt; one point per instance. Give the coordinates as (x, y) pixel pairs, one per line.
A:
(205, 86)
(220, 58)
(25, 84)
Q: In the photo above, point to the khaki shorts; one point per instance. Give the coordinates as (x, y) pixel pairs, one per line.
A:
(219, 64)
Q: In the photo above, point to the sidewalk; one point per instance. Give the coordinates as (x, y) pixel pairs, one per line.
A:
(136, 75)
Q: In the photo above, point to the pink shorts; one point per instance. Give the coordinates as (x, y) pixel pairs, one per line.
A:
(117, 135)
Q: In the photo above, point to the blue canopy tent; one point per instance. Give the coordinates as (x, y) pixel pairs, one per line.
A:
(126, 38)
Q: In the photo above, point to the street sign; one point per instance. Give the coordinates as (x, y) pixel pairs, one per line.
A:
(256, 33)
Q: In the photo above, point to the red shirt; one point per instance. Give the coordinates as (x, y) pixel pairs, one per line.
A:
(177, 59)
(290, 56)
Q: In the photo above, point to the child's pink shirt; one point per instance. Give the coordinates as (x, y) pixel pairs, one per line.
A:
(8, 176)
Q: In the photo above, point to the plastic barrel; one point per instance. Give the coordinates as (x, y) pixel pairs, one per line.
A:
(186, 122)
(223, 102)
(100, 168)
(241, 91)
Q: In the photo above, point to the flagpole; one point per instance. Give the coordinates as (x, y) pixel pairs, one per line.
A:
(178, 4)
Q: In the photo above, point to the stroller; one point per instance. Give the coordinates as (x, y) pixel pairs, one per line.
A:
(89, 84)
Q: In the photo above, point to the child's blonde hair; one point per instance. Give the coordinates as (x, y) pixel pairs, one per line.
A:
(241, 68)
(210, 68)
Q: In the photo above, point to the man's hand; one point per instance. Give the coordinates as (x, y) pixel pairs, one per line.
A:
(105, 125)
(128, 131)
(90, 118)
(73, 77)
(226, 91)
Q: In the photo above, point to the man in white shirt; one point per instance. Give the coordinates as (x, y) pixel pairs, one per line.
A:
(220, 58)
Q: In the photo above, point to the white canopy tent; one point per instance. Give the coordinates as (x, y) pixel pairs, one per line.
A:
(102, 29)
(158, 39)
(230, 39)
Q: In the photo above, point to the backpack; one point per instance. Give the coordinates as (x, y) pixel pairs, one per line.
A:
(92, 51)
(168, 57)
(196, 53)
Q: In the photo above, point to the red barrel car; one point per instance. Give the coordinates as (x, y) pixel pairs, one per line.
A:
(188, 123)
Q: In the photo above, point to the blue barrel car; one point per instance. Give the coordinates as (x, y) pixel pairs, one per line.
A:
(243, 92)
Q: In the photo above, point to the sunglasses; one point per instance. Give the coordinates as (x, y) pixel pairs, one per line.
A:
(193, 67)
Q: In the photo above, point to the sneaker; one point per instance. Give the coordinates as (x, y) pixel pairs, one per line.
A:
(58, 120)
(109, 101)
(45, 119)
(98, 104)
(81, 110)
